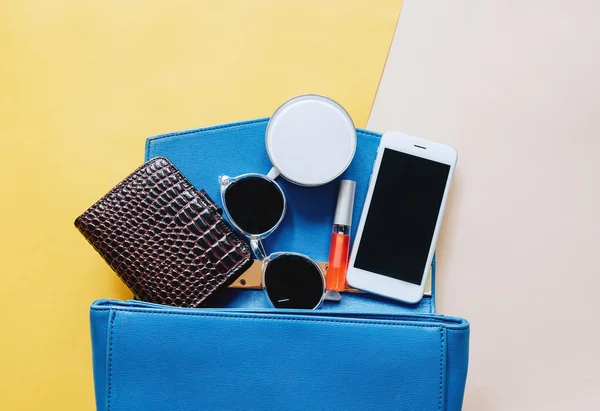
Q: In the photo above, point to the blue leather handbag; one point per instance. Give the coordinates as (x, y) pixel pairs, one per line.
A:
(150, 357)
(364, 352)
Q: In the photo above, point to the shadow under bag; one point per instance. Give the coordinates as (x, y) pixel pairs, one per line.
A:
(365, 352)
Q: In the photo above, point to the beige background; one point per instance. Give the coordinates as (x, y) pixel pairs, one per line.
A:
(515, 87)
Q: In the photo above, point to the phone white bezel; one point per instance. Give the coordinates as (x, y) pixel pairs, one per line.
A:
(377, 283)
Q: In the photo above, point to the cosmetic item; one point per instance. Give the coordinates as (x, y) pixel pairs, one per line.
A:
(310, 140)
(340, 237)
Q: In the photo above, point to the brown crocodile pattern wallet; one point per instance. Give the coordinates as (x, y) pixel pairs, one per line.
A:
(164, 239)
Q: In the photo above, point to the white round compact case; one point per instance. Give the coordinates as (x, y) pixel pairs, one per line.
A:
(310, 140)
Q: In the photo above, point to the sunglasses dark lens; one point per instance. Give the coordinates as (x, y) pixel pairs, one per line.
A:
(293, 281)
(255, 204)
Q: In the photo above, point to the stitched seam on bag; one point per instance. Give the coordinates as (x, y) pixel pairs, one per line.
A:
(281, 319)
(150, 140)
(449, 327)
(394, 317)
(148, 149)
(440, 327)
(230, 125)
(110, 352)
(441, 368)
(209, 128)
(368, 132)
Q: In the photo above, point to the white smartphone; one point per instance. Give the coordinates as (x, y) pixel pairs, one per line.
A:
(401, 217)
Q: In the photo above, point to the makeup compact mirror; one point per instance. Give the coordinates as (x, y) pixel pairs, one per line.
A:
(310, 140)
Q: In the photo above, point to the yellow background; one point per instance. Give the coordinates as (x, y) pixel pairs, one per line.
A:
(82, 84)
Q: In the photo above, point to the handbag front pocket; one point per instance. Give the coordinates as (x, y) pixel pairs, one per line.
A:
(163, 358)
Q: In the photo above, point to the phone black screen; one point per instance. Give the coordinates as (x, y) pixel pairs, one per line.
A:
(401, 220)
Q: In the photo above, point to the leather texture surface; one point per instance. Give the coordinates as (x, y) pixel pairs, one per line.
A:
(149, 357)
(237, 148)
(164, 239)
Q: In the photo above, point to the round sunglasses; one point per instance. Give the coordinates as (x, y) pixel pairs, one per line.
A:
(256, 205)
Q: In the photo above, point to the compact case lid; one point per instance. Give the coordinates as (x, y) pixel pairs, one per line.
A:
(311, 140)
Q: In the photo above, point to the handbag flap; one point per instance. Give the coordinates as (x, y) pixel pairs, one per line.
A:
(239, 148)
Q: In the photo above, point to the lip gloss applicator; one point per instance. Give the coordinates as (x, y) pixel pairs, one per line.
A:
(340, 240)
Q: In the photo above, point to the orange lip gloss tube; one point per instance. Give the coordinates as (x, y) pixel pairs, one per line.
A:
(340, 237)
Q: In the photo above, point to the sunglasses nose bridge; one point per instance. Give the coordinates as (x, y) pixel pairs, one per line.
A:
(258, 249)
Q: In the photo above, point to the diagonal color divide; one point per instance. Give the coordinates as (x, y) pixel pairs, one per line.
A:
(83, 84)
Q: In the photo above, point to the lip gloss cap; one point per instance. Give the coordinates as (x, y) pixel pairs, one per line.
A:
(345, 203)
